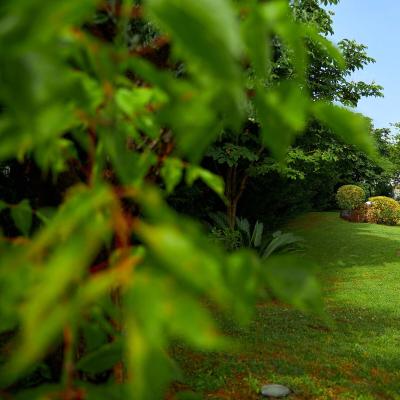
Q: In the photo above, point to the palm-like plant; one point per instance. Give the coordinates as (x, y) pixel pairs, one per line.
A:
(281, 242)
(253, 237)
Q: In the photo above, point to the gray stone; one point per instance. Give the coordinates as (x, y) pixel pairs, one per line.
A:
(275, 391)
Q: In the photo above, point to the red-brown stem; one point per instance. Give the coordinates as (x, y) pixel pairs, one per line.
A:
(68, 367)
(91, 156)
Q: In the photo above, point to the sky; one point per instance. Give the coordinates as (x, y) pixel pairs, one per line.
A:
(375, 23)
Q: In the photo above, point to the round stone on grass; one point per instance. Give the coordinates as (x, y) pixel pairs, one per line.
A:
(275, 391)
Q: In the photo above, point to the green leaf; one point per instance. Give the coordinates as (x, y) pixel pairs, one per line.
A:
(94, 336)
(332, 50)
(147, 362)
(278, 18)
(293, 281)
(136, 100)
(280, 241)
(177, 245)
(256, 30)
(151, 367)
(45, 214)
(155, 294)
(212, 60)
(242, 278)
(131, 166)
(175, 313)
(243, 225)
(22, 216)
(352, 127)
(102, 359)
(93, 94)
(50, 295)
(257, 234)
(3, 205)
(213, 181)
(172, 244)
(171, 172)
(218, 50)
(187, 99)
(283, 113)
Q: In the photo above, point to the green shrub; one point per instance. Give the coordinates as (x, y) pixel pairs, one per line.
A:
(349, 197)
(383, 210)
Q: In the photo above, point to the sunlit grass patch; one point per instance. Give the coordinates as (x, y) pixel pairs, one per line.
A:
(358, 357)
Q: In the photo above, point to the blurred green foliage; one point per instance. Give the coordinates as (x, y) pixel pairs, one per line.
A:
(105, 279)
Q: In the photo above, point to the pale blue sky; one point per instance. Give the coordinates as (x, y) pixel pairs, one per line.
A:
(375, 23)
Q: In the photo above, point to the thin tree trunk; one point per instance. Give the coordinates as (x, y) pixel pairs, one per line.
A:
(228, 194)
(231, 212)
(233, 194)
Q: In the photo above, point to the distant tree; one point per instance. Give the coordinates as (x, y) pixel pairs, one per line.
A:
(239, 158)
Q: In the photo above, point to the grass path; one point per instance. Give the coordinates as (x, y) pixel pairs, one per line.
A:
(359, 358)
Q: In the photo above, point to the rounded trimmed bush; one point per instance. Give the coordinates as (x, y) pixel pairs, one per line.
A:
(383, 210)
(350, 197)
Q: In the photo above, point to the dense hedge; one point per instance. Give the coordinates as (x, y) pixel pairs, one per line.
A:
(349, 197)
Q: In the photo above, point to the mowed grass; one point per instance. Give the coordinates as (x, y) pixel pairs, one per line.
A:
(356, 358)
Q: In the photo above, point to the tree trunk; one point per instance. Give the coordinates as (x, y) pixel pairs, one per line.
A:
(231, 212)
(230, 193)
(234, 189)
(233, 193)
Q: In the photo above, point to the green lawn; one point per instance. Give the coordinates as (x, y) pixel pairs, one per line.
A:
(359, 358)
